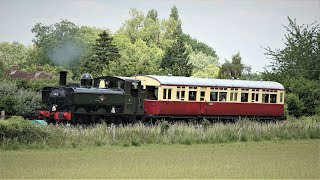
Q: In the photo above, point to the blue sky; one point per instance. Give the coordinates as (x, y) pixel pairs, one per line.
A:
(229, 27)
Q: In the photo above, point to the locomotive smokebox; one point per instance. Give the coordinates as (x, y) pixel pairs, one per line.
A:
(63, 78)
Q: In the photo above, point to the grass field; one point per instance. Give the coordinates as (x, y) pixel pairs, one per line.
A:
(267, 159)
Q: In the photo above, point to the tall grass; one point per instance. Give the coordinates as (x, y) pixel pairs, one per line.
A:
(16, 133)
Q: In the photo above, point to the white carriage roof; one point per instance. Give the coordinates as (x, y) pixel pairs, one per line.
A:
(192, 81)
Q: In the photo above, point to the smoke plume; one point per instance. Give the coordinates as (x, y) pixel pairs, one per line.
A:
(66, 53)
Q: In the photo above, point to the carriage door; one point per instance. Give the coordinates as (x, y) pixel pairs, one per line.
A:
(134, 93)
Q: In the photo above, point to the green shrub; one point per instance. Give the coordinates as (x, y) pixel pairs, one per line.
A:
(27, 102)
(7, 103)
(21, 102)
(295, 106)
(18, 130)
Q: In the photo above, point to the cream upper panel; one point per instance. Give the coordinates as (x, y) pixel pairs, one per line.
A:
(147, 81)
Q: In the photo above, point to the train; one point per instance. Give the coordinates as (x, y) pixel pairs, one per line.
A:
(149, 97)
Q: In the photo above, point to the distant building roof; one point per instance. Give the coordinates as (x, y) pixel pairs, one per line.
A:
(14, 73)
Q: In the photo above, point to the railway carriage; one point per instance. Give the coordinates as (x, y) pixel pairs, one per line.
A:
(185, 97)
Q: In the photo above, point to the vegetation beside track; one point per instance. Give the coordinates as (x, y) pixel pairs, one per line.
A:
(17, 133)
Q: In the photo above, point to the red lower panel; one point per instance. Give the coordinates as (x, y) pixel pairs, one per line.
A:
(153, 107)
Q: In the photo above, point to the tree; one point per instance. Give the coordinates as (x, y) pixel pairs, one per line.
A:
(104, 52)
(301, 55)
(234, 69)
(198, 46)
(297, 66)
(204, 65)
(64, 44)
(153, 14)
(12, 53)
(176, 60)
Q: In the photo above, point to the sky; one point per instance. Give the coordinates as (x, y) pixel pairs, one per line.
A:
(228, 26)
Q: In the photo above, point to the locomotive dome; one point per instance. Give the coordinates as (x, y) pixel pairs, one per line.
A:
(86, 80)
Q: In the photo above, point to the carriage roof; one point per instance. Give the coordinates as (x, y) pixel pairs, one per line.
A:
(209, 82)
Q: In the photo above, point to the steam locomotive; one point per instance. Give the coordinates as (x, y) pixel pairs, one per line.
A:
(127, 99)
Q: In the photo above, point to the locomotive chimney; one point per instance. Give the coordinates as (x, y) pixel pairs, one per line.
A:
(63, 78)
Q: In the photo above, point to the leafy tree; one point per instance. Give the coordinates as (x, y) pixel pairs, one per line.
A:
(12, 53)
(198, 46)
(104, 52)
(64, 44)
(153, 14)
(136, 58)
(176, 61)
(204, 65)
(301, 55)
(297, 66)
(234, 69)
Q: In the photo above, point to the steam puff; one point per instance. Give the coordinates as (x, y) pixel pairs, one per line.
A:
(66, 53)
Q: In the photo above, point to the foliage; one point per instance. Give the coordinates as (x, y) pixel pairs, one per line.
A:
(234, 69)
(18, 130)
(22, 102)
(295, 105)
(164, 127)
(204, 65)
(12, 53)
(2, 70)
(198, 46)
(297, 66)
(136, 58)
(64, 43)
(35, 84)
(176, 61)
(179, 133)
(104, 52)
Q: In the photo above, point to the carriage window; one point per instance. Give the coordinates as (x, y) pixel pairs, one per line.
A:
(281, 97)
(182, 95)
(214, 96)
(202, 95)
(178, 94)
(231, 96)
(273, 98)
(244, 97)
(152, 92)
(192, 95)
(265, 98)
(169, 93)
(164, 94)
(222, 96)
(255, 97)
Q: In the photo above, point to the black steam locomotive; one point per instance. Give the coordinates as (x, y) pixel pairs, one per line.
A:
(93, 100)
